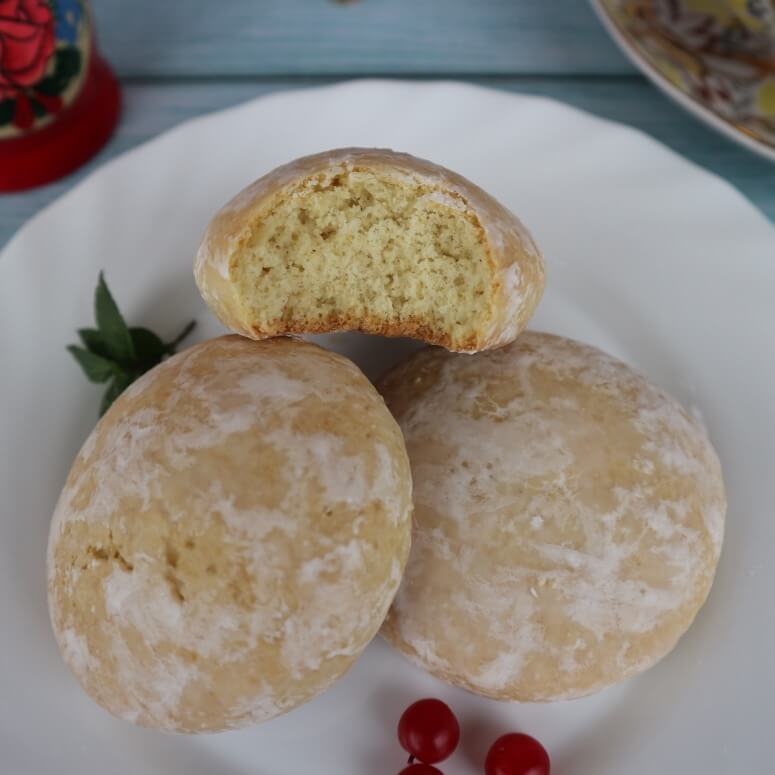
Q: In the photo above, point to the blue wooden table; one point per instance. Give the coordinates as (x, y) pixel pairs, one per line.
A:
(181, 59)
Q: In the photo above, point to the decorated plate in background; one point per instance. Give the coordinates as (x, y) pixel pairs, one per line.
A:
(714, 57)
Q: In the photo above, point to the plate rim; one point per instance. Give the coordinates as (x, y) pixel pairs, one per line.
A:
(368, 82)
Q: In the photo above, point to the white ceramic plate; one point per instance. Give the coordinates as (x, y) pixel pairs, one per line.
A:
(648, 256)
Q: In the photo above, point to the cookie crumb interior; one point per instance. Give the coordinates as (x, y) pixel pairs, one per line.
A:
(371, 251)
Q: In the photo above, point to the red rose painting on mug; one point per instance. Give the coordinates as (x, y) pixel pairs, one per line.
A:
(39, 59)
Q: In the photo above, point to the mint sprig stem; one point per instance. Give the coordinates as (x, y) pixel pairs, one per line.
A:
(116, 354)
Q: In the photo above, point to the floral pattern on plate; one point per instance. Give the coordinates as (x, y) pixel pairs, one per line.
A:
(719, 53)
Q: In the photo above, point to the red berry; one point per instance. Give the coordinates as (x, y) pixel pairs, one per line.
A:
(428, 730)
(420, 769)
(517, 754)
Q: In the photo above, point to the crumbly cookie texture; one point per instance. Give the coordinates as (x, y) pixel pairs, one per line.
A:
(375, 241)
(568, 518)
(230, 536)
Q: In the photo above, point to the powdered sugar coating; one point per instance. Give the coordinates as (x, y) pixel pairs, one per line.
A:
(227, 540)
(569, 518)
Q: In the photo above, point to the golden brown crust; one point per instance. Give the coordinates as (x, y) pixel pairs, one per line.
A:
(516, 263)
(412, 328)
(568, 518)
(230, 535)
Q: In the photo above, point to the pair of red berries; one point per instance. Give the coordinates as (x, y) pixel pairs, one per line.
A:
(429, 732)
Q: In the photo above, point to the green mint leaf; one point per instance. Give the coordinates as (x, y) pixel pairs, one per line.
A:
(172, 346)
(115, 353)
(149, 348)
(95, 367)
(92, 341)
(113, 329)
(119, 384)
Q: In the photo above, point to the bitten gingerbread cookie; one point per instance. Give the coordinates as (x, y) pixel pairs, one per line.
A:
(370, 240)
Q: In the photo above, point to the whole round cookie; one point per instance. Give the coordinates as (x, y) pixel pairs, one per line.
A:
(568, 518)
(230, 536)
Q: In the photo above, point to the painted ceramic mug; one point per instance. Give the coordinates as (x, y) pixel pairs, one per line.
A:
(59, 101)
